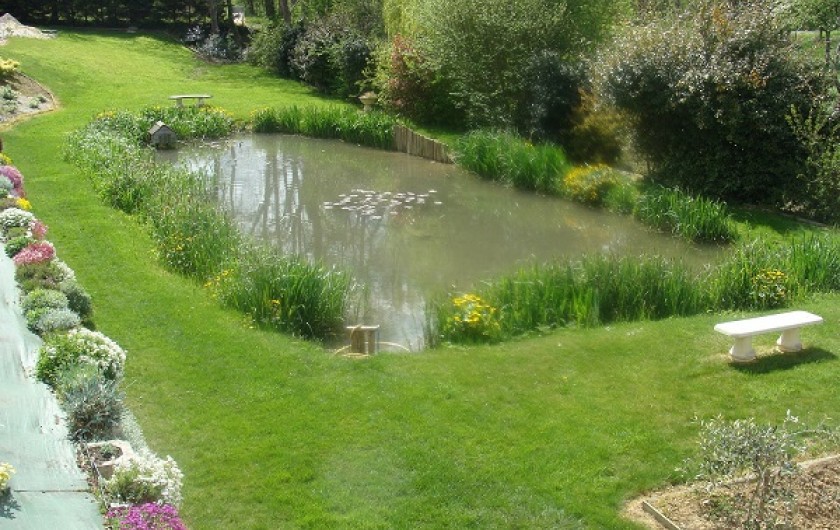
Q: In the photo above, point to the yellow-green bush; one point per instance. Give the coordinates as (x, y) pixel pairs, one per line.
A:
(589, 184)
(8, 67)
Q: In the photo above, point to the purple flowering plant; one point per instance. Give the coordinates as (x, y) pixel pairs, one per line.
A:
(149, 516)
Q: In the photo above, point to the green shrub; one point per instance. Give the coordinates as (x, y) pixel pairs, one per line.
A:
(819, 179)
(46, 320)
(79, 347)
(409, 85)
(43, 298)
(589, 184)
(16, 244)
(8, 68)
(708, 93)
(93, 402)
(43, 275)
(78, 299)
(273, 48)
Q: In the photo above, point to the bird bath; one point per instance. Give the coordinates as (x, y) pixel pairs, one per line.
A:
(404, 227)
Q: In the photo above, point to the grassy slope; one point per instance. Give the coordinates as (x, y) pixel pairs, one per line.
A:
(272, 432)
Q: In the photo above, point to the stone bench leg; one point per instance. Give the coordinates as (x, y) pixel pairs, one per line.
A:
(789, 340)
(179, 102)
(742, 351)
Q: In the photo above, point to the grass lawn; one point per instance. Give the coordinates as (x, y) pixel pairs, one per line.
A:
(272, 432)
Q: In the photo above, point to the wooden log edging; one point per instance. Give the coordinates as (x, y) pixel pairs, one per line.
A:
(412, 143)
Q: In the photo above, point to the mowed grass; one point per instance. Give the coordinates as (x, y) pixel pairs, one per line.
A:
(272, 432)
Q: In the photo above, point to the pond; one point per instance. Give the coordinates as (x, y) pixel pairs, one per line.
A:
(404, 227)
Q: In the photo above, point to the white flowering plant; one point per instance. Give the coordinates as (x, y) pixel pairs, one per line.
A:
(146, 478)
(79, 346)
(15, 218)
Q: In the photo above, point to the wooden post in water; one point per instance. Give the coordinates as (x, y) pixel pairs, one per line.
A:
(364, 339)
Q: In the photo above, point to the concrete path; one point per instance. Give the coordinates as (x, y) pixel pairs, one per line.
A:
(48, 491)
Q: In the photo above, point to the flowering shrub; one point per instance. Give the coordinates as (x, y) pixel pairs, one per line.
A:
(473, 320)
(23, 204)
(6, 186)
(15, 218)
(15, 177)
(769, 288)
(41, 298)
(6, 472)
(35, 252)
(39, 229)
(146, 478)
(8, 67)
(5, 160)
(149, 516)
(79, 346)
(48, 320)
(589, 184)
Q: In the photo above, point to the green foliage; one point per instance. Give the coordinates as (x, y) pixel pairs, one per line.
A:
(282, 293)
(373, 129)
(93, 402)
(552, 91)
(729, 450)
(43, 298)
(708, 93)
(473, 320)
(410, 85)
(273, 47)
(44, 275)
(331, 56)
(16, 244)
(486, 48)
(819, 179)
(694, 218)
(61, 351)
(504, 157)
(194, 236)
(595, 290)
(78, 299)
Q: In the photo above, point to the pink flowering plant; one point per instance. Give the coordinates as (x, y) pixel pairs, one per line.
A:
(39, 230)
(35, 252)
(149, 516)
(15, 177)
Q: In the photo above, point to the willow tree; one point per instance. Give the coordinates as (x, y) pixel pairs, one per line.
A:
(486, 47)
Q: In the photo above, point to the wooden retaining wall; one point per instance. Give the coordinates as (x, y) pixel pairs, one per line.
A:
(408, 141)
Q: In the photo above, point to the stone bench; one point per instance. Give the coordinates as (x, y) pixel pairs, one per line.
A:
(744, 330)
(179, 99)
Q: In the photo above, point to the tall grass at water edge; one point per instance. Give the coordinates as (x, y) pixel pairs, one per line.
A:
(603, 289)
(504, 157)
(371, 129)
(194, 237)
(694, 218)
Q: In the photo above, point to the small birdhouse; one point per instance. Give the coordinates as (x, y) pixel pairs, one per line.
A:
(162, 137)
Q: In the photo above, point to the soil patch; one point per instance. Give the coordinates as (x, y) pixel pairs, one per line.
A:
(22, 97)
(817, 490)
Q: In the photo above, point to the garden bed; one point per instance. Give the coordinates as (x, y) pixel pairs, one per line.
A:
(31, 98)
(817, 489)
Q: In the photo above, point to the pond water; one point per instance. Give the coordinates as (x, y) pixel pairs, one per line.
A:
(404, 227)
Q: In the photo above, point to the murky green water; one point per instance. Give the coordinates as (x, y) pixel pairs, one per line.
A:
(403, 226)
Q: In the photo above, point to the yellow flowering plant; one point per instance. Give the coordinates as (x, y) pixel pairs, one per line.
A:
(589, 184)
(6, 472)
(770, 288)
(471, 319)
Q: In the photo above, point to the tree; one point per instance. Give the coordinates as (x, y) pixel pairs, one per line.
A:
(486, 46)
(819, 14)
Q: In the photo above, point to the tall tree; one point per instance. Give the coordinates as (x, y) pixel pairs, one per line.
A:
(823, 15)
